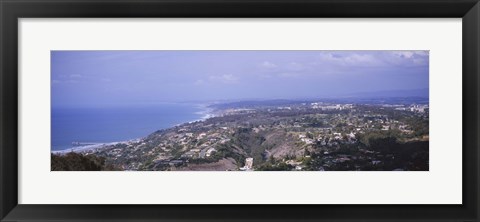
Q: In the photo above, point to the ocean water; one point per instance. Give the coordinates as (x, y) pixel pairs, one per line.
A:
(102, 125)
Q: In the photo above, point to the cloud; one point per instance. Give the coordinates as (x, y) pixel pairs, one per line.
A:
(268, 65)
(226, 78)
(407, 58)
(403, 54)
(374, 59)
(350, 59)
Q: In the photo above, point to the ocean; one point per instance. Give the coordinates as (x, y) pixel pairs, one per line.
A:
(114, 124)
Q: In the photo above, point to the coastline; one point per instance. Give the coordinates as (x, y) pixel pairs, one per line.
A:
(92, 147)
(205, 114)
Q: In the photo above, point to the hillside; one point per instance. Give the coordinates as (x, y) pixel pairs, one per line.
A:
(302, 136)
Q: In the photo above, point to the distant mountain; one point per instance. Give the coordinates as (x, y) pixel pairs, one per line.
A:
(417, 96)
(254, 103)
(423, 93)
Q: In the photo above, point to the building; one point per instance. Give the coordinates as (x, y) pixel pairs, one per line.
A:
(249, 163)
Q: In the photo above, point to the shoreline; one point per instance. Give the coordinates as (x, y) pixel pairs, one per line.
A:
(206, 113)
(86, 148)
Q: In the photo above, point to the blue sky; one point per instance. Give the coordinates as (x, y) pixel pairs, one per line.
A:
(110, 78)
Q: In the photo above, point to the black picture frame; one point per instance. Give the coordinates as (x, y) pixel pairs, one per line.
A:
(12, 10)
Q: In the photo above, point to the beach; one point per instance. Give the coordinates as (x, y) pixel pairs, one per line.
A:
(86, 148)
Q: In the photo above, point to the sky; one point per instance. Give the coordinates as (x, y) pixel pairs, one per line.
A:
(116, 78)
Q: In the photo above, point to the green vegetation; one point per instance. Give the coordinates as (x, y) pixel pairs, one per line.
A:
(78, 162)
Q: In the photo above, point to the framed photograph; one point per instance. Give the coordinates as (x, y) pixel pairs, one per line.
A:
(254, 110)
